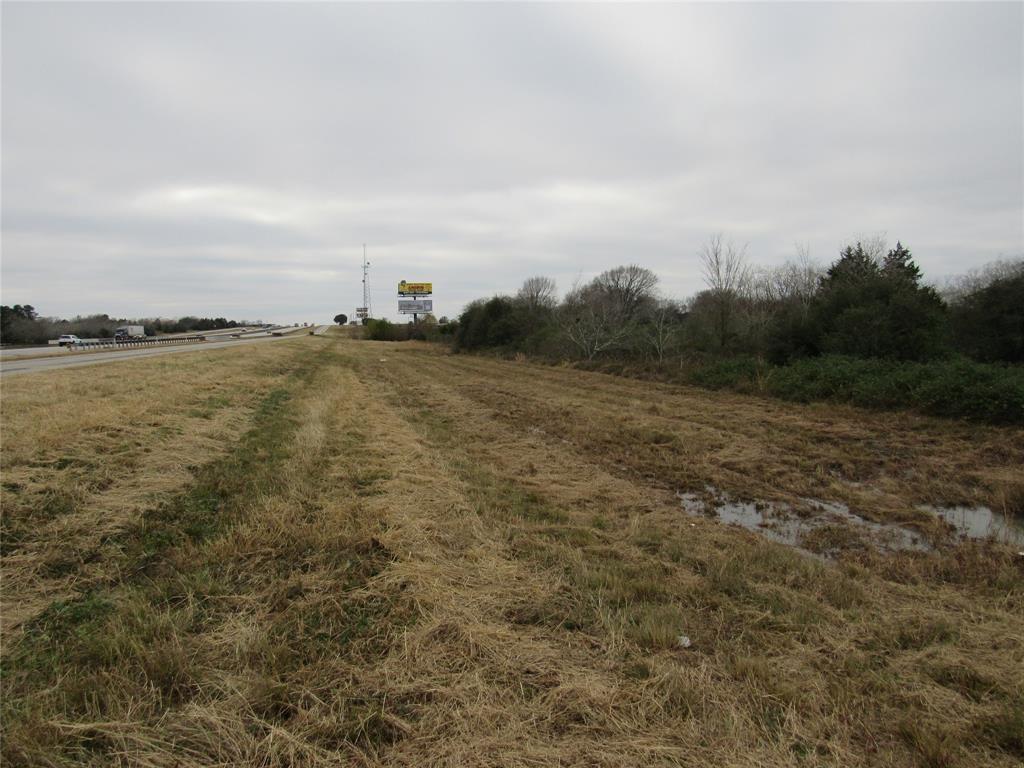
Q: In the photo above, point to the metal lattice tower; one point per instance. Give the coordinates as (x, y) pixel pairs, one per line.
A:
(366, 284)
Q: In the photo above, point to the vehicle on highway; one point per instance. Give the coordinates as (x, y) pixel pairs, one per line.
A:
(129, 333)
(68, 340)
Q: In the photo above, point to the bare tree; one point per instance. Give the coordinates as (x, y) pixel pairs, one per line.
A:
(795, 281)
(767, 291)
(726, 275)
(591, 322)
(608, 312)
(802, 276)
(628, 288)
(538, 294)
(764, 291)
(955, 289)
(661, 328)
(874, 245)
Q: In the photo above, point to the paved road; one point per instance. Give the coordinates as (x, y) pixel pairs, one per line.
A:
(73, 360)
(43, 350)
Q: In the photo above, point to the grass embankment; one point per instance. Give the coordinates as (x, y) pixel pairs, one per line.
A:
(425, 559)
(959, 388)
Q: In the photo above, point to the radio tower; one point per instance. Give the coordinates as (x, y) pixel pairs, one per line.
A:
(366, 284)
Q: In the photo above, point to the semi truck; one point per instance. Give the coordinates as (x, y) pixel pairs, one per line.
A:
(129, 333)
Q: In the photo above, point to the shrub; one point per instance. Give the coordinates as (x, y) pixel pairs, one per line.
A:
(957, 388)
(498, 323)
(382, 330)
(739, 373)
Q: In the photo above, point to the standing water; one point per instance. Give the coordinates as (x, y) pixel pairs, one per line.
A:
(819, 527)
(980, 523)
(825, 527)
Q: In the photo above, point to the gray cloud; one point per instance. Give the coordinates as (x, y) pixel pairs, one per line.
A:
(231, 158)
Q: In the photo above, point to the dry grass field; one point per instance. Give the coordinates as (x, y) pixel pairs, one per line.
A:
(333, 552)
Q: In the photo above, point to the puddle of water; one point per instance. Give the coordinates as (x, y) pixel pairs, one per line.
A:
(824, 528)
(818, 527)
(980, 523)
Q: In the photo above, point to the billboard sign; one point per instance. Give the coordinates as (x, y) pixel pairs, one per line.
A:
(362, 312)
(415, 289)
(415, 306)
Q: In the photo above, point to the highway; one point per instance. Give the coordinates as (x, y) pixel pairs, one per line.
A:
(45, 350)
(74, 360)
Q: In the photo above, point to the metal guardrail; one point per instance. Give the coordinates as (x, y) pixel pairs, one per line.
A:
(132, 343)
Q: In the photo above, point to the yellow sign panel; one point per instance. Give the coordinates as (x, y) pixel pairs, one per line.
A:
(415, 289)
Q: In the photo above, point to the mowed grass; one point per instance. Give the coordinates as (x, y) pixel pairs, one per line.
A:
(182, 636)
(330, 552)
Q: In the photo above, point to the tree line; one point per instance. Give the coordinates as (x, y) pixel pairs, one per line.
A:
(869, 308)
(870, 303)
(21, 324)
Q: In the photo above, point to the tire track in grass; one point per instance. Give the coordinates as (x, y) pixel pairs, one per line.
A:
(478, 685)
(583, 706)
(74, 484)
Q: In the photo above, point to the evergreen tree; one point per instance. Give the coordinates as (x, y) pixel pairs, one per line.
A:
(869, 309)
(899, 265)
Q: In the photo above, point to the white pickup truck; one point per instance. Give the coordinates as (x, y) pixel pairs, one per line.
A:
(68, 340)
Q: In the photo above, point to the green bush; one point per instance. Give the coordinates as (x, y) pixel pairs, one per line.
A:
(743, 374)
(958, 388)
(503, 323)
(382, 330)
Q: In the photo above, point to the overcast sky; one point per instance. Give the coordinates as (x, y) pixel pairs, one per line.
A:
(230, 159)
